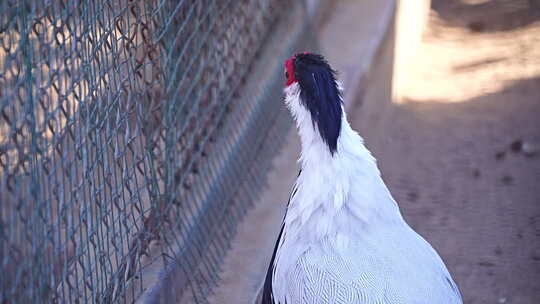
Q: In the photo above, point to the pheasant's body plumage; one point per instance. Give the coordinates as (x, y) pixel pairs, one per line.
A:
(343, 238)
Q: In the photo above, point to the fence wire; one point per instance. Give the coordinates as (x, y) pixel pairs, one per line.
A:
(113, 116)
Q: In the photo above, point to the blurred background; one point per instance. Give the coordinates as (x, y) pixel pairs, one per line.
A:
(146, 155)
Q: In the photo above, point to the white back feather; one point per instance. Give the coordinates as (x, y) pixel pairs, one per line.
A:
(340, 204)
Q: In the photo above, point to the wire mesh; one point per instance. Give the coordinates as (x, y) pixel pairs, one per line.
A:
(112, 115)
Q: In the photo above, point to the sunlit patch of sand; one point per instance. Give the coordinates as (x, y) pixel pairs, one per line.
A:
(454, 64)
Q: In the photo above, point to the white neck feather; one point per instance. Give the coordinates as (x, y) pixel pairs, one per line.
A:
(338, 197)
(334, 189)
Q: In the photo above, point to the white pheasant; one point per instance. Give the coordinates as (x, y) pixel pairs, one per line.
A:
(343, 239)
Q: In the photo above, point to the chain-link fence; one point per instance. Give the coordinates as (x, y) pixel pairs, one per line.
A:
(118, 139)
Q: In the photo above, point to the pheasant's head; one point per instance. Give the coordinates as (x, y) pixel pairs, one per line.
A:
(313, 94)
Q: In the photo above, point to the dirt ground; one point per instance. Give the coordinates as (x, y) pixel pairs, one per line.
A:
(461, 154)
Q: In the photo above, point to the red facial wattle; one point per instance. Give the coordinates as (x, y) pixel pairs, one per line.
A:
(289, 71)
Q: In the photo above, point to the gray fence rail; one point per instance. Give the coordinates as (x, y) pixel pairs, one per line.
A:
(117, 137)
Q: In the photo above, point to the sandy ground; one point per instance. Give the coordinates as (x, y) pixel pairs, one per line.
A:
(459, 153)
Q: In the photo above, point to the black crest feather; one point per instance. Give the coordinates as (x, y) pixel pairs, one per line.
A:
(320, 94)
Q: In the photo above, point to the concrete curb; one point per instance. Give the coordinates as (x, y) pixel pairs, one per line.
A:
(351, 40)
(318, 11)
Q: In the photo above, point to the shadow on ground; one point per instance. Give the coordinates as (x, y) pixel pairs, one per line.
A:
(486, 16)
